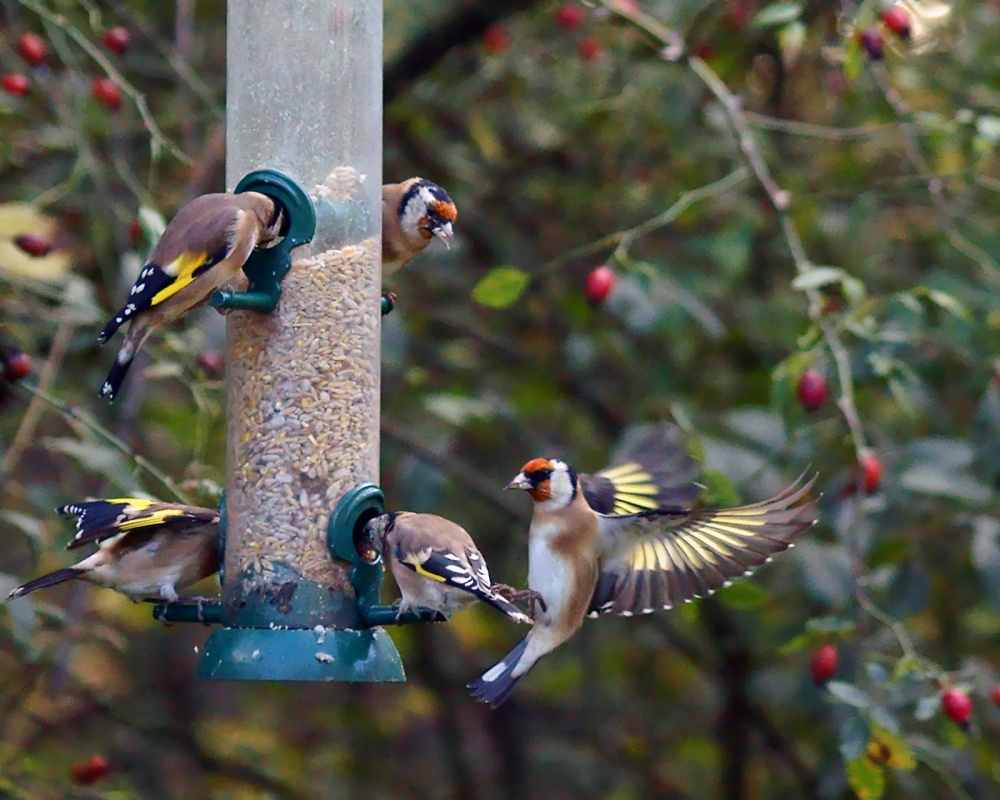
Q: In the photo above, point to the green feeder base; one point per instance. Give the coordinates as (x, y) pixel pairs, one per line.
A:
(296, 654)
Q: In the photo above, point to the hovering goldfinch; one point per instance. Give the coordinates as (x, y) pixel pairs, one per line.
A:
(435, 563)
(204, 247)
(413, 213)
(146, 549)
(582, 562)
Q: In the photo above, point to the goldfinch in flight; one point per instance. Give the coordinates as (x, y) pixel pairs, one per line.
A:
(204, 247)
(581, 562)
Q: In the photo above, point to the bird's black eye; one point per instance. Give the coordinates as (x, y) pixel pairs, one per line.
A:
(540, 475)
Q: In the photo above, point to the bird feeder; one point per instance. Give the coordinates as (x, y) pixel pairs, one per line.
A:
(304, 125)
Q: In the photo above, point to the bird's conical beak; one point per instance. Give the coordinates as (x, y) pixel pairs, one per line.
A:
(520, 482)
(445, 234)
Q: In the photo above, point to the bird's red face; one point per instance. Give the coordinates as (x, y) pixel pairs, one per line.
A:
(438, 222)
(535, 478)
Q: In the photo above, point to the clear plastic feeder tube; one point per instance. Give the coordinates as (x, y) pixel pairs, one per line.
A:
(304, 97)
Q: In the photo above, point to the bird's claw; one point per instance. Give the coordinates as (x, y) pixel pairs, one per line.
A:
(528, 597)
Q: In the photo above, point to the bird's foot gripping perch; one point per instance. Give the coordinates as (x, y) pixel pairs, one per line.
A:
(206, 610)
(528, 598)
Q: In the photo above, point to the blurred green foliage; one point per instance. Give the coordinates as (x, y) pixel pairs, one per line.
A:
(561, 157)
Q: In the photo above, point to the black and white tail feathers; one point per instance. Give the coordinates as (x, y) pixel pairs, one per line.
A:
(59, 576)
(496, 684)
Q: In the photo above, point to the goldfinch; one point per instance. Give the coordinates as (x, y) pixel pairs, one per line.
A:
(582, 562)
(435, 563)
(413, 213)
(204, 247)
(146, 549)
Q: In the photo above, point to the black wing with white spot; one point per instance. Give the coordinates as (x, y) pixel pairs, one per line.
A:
(97, 520)
(662, 559)
(469, 574)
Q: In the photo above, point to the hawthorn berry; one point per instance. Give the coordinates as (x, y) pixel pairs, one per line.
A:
(117, 40)
(16, 366)
(135, 232)
(33, 244)
(15, 84)
(32, 48)
(496, 40)
(823, 664)
(106, 92)
(89, 771)
(871, 472)
(811, 389)
(898, 21)
(995, 695)
(570, 16)
(957, 706)
(872, 43)
(600, 281)
(588, 48)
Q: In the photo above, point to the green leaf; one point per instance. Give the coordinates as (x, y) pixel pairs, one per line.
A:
(791, 38)
(894, 749)
(777, 14)
(501, 287)
(867, 779)
(849, 694)
(927, 707)
(818, 276)
(830, 625)
(945, 302)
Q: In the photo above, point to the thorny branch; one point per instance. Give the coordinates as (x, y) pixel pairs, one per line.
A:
(157, 139)
(673, 48)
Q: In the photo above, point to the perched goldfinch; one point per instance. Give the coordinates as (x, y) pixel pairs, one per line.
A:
(146, 549)
(582, 562)
(413, 213)
(435, 563)
(204, 247)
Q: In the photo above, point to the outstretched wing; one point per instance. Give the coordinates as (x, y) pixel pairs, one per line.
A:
(97, 520)
(653, 470)
(659, 559)
(466, 571)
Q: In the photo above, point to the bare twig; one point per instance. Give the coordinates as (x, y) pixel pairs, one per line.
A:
(29, 422)
(623, 240)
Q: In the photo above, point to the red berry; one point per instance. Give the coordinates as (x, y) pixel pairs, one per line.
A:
(957, 706)
(995, 695)
(871, 472)
(704, 50)
(811, 389)
(211, 362)
(89, 771)
(739, 15)
(823, 664)
(17, 365)
(33, 244)
(599, 284)
(898, 21)
(117, 40)
(588, 48)
(570, 16)
(15, 84)
(107, 93)
(135, 232)
(871, 42)
(496, 40)
(32, 48)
